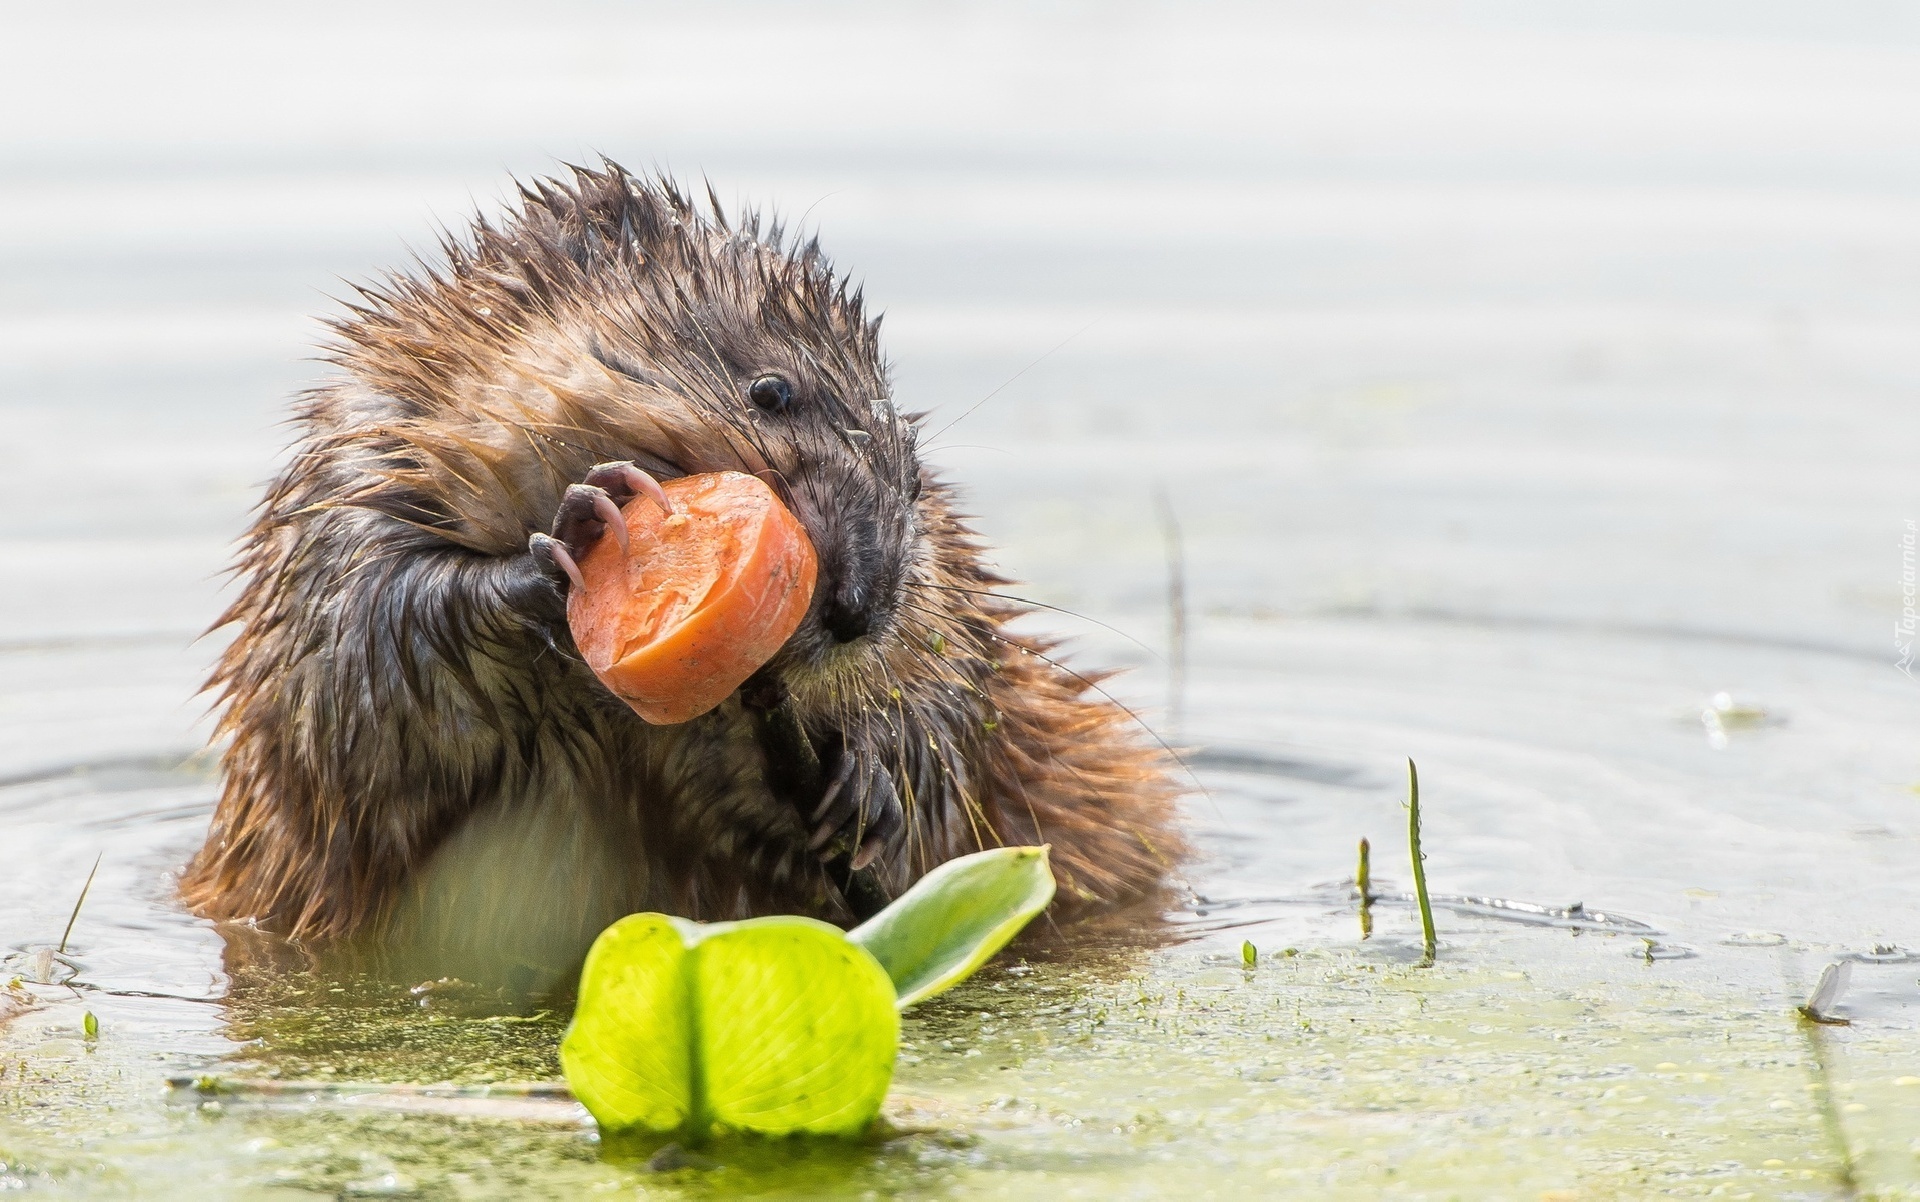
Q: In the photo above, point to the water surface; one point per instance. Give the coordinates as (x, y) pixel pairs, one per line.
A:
(1520, 384)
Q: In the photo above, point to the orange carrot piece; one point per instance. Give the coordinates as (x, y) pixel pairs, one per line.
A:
(700, 600)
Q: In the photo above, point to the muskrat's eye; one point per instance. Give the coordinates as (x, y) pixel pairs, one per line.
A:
(771, 393)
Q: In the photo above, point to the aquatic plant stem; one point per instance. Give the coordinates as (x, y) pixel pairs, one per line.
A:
(1845, 1175)
(1429, 942)
(78, 902)
(1176, 613)
(1363, 881)
(1813, 1020)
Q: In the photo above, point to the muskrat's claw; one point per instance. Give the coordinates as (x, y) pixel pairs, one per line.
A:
(592, 508)
(874, 845)
(623, 482)
(610, 514)
(545, 546)
(858, 810)
(586, 513)
(883, 818)
(824, 830)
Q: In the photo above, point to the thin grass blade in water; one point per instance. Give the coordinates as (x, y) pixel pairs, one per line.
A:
(1429, 943)
(78, 902)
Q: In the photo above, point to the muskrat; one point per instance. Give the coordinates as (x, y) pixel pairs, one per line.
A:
(411, 739)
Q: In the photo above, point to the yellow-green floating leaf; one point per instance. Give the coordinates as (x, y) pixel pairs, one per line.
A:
(773, 1025)
(955, 918)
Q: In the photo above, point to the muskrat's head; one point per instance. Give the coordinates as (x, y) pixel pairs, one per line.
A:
(611, 318)
(846, 465)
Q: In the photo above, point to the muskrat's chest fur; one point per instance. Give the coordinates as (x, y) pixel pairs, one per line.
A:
(413, 747)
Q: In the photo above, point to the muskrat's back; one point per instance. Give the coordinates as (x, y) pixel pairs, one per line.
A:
(414, 748)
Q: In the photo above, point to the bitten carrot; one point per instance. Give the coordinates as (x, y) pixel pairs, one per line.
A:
(698, 600)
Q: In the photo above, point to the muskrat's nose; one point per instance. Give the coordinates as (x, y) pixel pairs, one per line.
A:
(846, 617)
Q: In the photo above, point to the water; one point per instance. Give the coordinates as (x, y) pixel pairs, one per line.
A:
(1520, 381)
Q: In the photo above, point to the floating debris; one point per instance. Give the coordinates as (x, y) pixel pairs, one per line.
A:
(530, 1101)
(41, 965)
(212, 1084)
(1575, 917)
(1819, 1006)
(1727, 712)
(1755, 939)
(1885, 953)
(1652, 949)
(15, 1001)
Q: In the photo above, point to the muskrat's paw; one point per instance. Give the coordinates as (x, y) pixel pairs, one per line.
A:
(858, 809)
(588, 511)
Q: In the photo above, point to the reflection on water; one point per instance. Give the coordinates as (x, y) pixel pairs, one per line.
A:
(1534, 392)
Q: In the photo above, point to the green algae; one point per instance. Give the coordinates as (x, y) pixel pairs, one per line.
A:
(308, 1025)
(1339, 1072)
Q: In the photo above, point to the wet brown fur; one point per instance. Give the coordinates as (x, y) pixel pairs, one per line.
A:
(402, 671)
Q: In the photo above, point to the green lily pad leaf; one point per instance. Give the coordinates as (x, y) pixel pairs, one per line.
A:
(955, 918)
(798, 1025)
(628, 1054)
(774, 1025)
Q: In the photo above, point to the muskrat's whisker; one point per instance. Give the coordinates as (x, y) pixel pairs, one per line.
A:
(1110, 698)
(972, 807)
(943, 666)
(935, 663)
(945, 753)
(1052, 759)
(1010, 379)
(955, 588)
